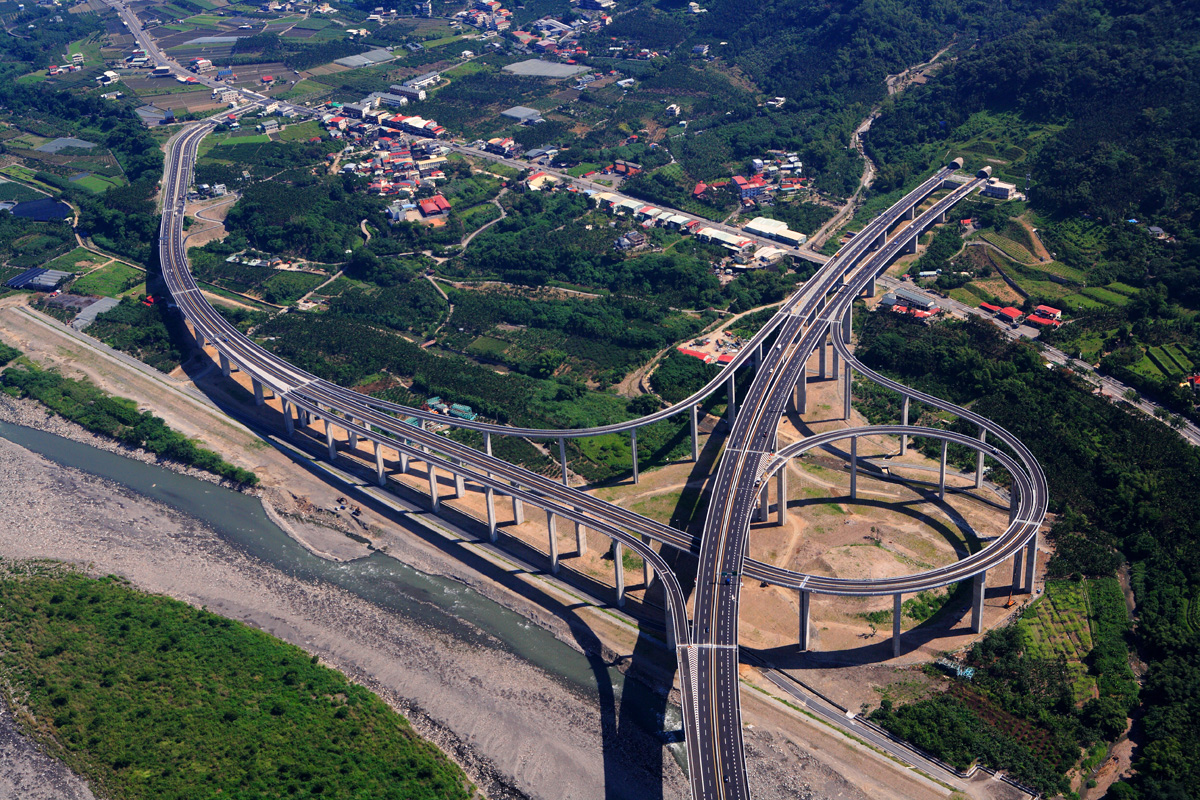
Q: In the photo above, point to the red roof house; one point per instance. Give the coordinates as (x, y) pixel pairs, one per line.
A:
(1048, 312)
(1010, 313)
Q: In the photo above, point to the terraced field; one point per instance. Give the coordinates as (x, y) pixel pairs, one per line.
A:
(1057, 626)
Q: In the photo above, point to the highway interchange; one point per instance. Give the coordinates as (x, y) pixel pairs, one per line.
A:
(707, 644)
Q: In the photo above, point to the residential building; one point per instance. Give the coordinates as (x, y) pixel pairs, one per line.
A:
(435, 206)
(424, 81)
(408, 91)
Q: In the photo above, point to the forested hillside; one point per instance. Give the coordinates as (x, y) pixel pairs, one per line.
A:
(1118, 86)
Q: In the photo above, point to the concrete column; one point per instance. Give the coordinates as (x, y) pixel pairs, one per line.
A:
(619, 572)
(487, 442)
(804, 620)
(518, 510)
(731, 394)
(288, 425)
(870, 290)
(460, 490)
(977, 592)
(580, 538)
(380, 476)
(833, 372)
(910, 246)
(897, 609)
(225, 369)
(329, 441)
(352, 436)
(904, 421)
(848, 395)
(553, 539)
(403, 462)
(305, 418)
(489, 495)
(942, 472)
(781, 489)
(647, 568)
(764, 502)
(909, 214)
(258, 392)
(821, 359)
(979, 461)
(1014, 504)
(758, 355)
(847, 325)
(434, 503)
(854, 468)
(802, 392)
(1018, 559)
(695, 436)
(1030, 563)
(633, 450)
(562, 458)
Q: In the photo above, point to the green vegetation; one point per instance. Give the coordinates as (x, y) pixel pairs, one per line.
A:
(109, 281)
(1056, 626)
(25, 243)
(116, 417)
(141, 331)
(151, 698)
(1124, 487)
(11, 190)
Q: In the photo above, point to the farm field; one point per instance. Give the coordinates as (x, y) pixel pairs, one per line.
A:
(1057, 626)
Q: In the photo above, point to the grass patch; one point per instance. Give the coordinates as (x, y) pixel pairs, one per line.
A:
(1105, 296)
(302, 132)
(97, 184)
(1056, 626)
(70, 261)
(254, 138)
(109, 281)
(17, 192)
(151, 698)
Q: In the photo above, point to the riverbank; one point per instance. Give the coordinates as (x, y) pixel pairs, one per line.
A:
(516, 731)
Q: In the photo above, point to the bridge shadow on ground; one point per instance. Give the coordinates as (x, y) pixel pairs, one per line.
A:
(952, 620)
(630, 720)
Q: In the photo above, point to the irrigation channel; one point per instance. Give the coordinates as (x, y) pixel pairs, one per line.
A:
(442, 604)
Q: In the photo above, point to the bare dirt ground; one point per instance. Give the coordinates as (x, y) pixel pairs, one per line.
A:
(26, 773)
(211, 216)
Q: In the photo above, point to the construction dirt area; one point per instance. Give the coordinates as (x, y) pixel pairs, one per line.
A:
(895, 528)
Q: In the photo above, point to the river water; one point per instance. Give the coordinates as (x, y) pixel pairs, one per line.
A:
(444, 604)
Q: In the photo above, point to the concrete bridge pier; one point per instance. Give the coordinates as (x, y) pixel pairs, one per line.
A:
(911, 213)
(731, 395)
(833, 361)
(801, 394)
(821, 359)
(404, 460)
(490, 497)
(258, 392)
(870, 290)
(225, 368)
(434, 503)
(647, 568)
(847, 326)
(553, 539)
(518, 509)
(904, 422)
(562, 458)
(633, 452)
(1031, 550)
(695, 434)
(781, 489)
(1014, 503)
(380, 475)
(764, 502)
(848, 395)
(619, 571)
(910, 247)
(460, 489)
(329, 442)
(942, 472)
(288, 426)
(804, 620)
(1018, 559)
(352, 436)
(853, 468)
(977, 592)
(897, 608)
(580, 538)
(758, 355)
(304, 417)
(979, 460)
(879, 242)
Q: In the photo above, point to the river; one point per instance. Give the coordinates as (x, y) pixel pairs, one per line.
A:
(443, 604)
